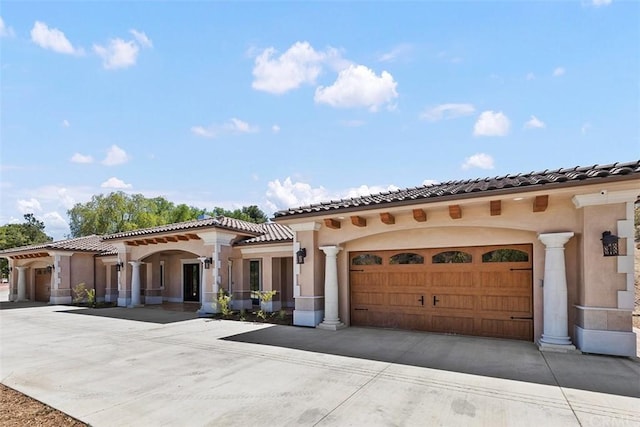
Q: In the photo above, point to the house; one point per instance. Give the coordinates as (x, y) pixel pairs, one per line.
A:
(543, 256)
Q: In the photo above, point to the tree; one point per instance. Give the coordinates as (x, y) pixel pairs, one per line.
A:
(30, 232)
(117, 212)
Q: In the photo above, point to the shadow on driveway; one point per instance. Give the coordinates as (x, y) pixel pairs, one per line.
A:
(498, 358)
(140, 314)
(10, 305)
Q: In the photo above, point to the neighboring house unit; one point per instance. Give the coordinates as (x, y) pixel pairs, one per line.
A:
(518, 257)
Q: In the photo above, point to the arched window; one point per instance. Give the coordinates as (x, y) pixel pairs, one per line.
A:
(406, 258)
(505, 255)
(451, 257)
(366, 259)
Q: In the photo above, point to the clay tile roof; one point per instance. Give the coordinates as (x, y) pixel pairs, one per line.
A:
(91, 243)
(272, 233)
(218, 222)
(521, 182)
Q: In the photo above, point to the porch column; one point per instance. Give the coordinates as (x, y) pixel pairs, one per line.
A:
(22, 283)
(135, 283)
(331, 319)
(555, 336)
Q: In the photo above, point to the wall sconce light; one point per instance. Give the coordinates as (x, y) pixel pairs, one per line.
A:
(609, 244)
(300, 255)
(207, 262)
(10, 269)
(119, 266)
(50, 268)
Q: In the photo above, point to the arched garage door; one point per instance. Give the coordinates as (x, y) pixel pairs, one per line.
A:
(483, 290)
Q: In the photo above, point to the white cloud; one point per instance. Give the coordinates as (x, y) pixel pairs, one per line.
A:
(233, 126)
(141, 38)
(530, 76)
(55, 224)
(534, 123)
(400, 51)
(559, 71)
(81, 158)
(114, 182)
(358, 86)
(480, 160)
(429, 182)
(118, 54)
(200, 131)
(65, 123)
(238, 126)
(5, 31)
(275, 128)
(287, 194)
(282, 195)
(491, 123)
(300, 64)
(52, 39)
(29, 206)
(598, 3)
(447, 111)
(115, 156)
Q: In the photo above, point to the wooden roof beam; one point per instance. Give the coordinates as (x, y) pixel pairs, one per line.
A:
(387, 218)
(131, 243)
(496, 207)
(332, 223)
(161, 240)
(141, 242)
(419, 215)
(181, 237)
(193, 236)
(150, 241)
(540, 203)
(455, 212)
(171, 238)
(358, 221)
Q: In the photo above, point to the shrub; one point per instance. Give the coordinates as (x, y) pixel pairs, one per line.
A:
(224, 302)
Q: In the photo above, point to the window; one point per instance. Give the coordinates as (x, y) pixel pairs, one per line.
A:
(449, 257)
(161, 274)
(406, 258)
(366, 259)
(505, 255)
(255, 280)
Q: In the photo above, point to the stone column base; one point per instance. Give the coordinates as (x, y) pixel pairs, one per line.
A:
(557, 348)
(60, 300)
(331, 326)
(613, 343)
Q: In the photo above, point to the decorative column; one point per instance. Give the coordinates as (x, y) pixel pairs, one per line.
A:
(331, 317)
(22, 283)
(555, 336)
(135, 283)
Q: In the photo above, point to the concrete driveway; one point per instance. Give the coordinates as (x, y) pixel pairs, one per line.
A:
(134, 367)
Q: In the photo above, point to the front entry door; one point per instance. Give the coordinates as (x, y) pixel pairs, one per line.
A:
(191, 280)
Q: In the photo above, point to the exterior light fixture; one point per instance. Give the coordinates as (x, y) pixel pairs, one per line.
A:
(207, 262)
(300, 255)
(609, 244)
(50, 268)
(119, 266)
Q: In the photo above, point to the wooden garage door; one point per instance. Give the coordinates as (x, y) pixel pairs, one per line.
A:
(484, 290)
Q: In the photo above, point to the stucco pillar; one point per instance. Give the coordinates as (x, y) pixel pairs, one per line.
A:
(555, 336)
(22, 283)
(331, 318)
(208, 287)
(135, 283)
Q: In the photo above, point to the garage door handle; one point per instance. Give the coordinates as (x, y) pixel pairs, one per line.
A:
(361, 309)
(435, 300)
(421, 299)
(521, 318)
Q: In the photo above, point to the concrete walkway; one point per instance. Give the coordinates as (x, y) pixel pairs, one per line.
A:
(132, 368)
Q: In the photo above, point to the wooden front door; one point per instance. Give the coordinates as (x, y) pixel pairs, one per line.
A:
(484, 291)
(191, 282)
(43, 285)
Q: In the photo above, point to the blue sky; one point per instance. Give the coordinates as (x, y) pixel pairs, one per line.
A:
(282, 104)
